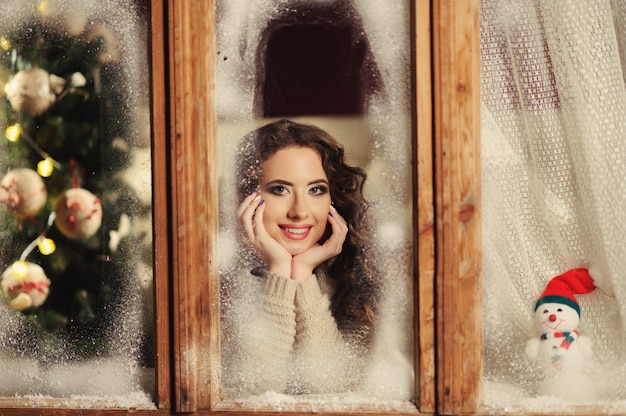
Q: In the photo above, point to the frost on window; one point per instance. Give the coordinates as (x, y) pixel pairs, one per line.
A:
(75, 203)
(343, 67)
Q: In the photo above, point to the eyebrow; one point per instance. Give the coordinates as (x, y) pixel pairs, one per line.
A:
(284, 182)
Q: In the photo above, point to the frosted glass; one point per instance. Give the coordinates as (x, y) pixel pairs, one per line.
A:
(76, 315)
(373, 124)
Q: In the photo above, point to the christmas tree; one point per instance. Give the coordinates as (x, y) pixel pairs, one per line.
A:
(66, 210)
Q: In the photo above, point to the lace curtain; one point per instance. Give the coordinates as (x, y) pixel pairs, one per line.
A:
(554, 180)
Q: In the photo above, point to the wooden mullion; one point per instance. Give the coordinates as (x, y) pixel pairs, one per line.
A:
(193, 187)
(160, 203)
(425, 237)
(184, 303)
(457, 177)
(210, 358)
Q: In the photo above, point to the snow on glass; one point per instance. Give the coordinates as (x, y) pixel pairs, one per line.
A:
(376, 140)
(75, 112)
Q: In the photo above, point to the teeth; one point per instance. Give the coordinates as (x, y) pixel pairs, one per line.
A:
(296, 230)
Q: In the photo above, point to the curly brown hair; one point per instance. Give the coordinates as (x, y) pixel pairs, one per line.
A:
(355, 303)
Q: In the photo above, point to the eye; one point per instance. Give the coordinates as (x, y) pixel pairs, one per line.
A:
(278, 190)
(545, 311)
(318, 190)
(559, 310)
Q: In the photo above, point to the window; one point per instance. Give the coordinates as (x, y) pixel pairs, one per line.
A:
(552, 137)
(322, 64)
(185, 198)
(77, 207)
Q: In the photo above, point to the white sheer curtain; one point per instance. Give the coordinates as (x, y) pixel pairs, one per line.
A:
(554, 179)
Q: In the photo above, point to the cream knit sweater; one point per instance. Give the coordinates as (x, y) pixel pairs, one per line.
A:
(289, 341)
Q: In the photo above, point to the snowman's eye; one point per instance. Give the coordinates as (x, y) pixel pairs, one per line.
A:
(559, 310)
(545, 311)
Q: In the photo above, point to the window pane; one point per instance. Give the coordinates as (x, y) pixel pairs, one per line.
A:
(552, 167)
(76, 248)
(346, 69)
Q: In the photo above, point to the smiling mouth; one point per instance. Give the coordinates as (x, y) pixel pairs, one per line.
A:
(296, 233)
(556, 324)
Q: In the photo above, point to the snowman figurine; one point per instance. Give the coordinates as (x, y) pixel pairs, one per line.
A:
(560, 350)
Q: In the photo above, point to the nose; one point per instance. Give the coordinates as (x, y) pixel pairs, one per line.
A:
(298, 208)
(552, 318)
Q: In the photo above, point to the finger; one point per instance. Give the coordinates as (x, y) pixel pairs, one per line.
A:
(336, 215)
(247, 203)
(247, 214)
(247, 208)
(257, 220)
(336, 218)
(338, 235)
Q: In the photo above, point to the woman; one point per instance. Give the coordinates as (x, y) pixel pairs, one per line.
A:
(302, 213)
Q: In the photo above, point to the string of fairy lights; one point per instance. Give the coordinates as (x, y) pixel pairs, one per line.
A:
(77, 214)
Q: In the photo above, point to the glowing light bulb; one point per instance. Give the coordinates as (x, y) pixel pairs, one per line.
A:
(45, 167)
(42, 6)
(13, 132)
(20, 269)
(47, 246)
(5, 43)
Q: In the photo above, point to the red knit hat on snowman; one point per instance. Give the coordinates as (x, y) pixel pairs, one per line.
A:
(562, 288)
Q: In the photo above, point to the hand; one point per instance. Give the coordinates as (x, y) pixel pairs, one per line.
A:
(304, 263)
(276, 257)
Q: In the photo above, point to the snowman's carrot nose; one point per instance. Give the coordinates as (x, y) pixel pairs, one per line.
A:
(552, 318)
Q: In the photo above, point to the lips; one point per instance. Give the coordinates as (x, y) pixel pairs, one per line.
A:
(296, 232)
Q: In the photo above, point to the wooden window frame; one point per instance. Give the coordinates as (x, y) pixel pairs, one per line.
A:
(447, 204)
(446, 160)
(456, 69)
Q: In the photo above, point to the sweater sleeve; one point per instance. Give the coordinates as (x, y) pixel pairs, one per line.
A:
(265, 338)
(322, 356)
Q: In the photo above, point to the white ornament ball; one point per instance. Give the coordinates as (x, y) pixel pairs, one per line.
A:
(23, 192)
(78, 213)
(34, 90)
(25, 285)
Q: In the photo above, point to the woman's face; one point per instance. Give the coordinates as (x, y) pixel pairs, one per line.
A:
(297, 198)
